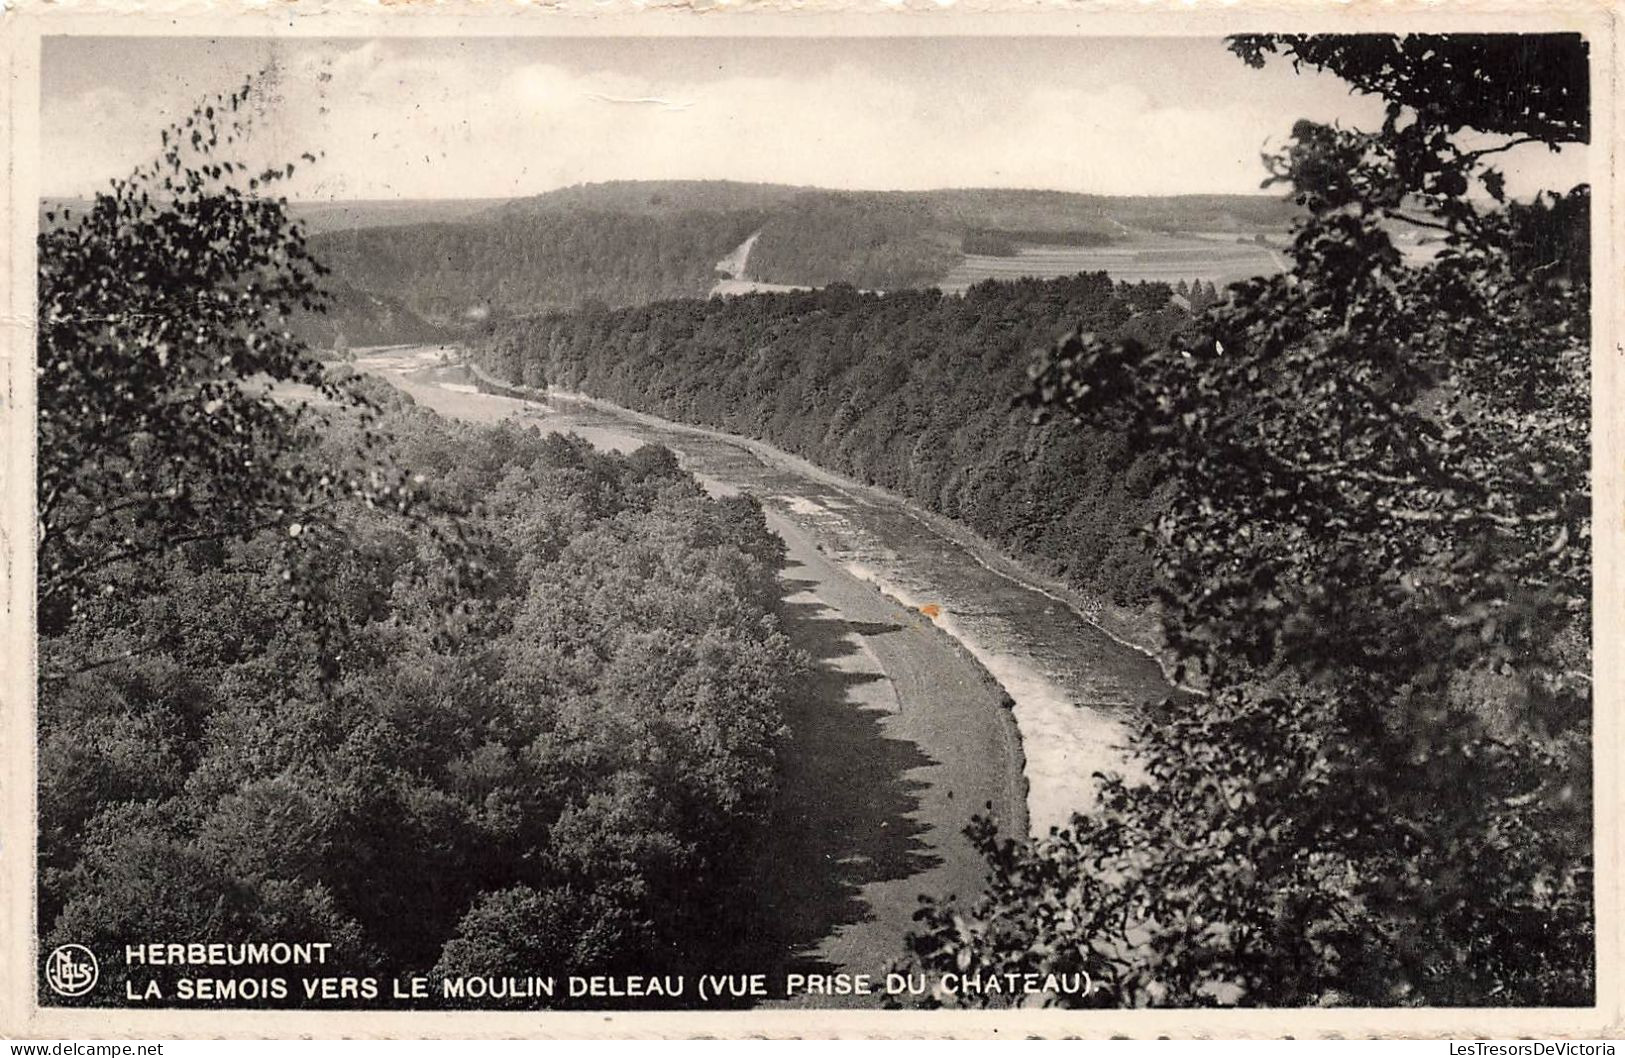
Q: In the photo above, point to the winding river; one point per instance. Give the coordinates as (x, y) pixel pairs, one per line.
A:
(1073, 685)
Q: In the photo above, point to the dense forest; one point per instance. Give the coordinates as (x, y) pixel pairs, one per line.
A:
(592, 739)
(452, 273)
(912, 391)
(353, 318)
(871, 241)
(315, 664)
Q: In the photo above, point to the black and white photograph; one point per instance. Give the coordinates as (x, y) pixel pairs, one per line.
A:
(805, 523)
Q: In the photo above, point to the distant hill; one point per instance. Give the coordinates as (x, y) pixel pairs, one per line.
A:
(405, 268)
(522, 262)
(654, 198)
(889, 240)
(358, 318)
(873, 241)
(1065, 211)
(319, 217)
(949, 208)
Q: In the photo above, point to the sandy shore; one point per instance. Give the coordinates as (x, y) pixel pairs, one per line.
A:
(897, 739)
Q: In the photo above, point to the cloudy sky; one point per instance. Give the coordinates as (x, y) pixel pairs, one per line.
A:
(454, 118)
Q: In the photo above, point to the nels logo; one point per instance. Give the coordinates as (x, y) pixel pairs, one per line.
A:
(71, 970)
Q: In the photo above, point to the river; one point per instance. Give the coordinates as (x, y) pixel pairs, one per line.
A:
(1074, 686)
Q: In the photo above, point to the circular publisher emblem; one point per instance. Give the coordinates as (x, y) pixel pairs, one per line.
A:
(71, 970)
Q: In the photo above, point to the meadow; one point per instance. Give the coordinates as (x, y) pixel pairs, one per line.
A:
(1140, 257)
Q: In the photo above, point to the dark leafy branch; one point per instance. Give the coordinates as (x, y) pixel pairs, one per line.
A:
(165, 364)
(1377, 561)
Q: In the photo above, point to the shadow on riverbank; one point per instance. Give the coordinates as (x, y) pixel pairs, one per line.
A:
(847, 816)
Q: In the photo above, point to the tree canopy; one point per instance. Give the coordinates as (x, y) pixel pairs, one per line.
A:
(912, 391)
(1376, 565)
(1534, 85)
(571, 778)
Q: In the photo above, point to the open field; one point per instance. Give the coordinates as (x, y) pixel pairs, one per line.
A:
(1146, 256)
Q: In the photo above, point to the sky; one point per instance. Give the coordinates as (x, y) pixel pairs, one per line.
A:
(496, 118)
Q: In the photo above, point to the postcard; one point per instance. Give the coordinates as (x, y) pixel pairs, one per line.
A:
(888, 520)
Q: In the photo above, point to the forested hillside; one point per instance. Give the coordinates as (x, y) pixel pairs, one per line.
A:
(416, 271)
(635, 242)
(948, 209)
(893, 240)
(357, 318)
(653, 198)
(1053, 212)
(911, 391)
(454, 273)
(592, 739)
(872, 241)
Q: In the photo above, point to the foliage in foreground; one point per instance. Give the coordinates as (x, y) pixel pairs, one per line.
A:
(595, 734)
(290, 691)
(164, 333)
(1377, 563)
